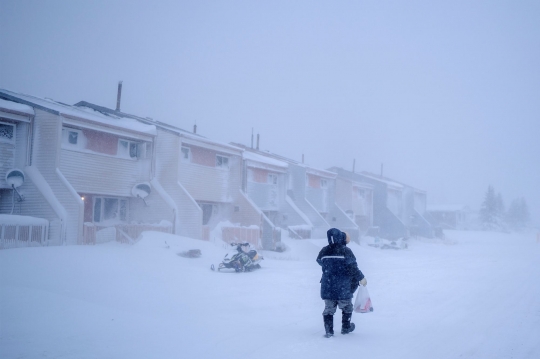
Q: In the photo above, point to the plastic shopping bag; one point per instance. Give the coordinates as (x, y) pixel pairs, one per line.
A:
(362, 304)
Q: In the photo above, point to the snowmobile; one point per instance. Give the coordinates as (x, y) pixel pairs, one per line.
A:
(242, 259)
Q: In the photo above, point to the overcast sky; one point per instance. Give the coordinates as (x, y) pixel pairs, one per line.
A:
(445, 94)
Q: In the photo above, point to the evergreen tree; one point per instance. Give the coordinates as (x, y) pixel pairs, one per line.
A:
(488, 209)
(499, 206)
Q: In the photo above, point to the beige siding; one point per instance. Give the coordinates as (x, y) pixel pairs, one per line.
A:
(21, 144)
(188, 213)
(154, 211)
(7, 161)
(95, 173)
(248, 214)
(10, 149)
(212, 184)
(45, 155)
(344, 192)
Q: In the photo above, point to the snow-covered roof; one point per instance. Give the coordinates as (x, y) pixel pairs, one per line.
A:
(16, 107)
(80, 113)
(195, 139)
(192, 138)
(12, 219)
(383, 180)
(251, 156)
(319, 172)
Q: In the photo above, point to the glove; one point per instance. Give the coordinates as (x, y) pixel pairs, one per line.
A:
(363, 282)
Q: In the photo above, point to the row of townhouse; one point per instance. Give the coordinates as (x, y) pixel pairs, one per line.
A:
(84, 173)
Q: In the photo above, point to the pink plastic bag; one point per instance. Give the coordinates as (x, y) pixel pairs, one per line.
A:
(362, 304)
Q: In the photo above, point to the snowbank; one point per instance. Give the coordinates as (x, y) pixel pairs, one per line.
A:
(478, 298)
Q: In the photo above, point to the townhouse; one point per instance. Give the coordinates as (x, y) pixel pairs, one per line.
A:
(88, 174)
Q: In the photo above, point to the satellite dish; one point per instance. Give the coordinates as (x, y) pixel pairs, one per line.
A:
(141, 190)
(15, 178)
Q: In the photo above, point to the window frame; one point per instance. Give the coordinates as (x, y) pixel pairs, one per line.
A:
(100, 210)
(66, 136)
(223, 164)
(127, 155)
(272, 178)
(14, 133)
(182, 154)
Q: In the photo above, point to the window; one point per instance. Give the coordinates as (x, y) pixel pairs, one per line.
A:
(272, 178)
(72, 138)
(222, 161)
(324, 183)
(7, 132)
(110, 209)
(128, 149)
(186, 154)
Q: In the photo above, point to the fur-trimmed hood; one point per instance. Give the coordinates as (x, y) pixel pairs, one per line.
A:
(335, 236)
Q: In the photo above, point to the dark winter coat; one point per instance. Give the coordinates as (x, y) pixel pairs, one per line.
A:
(340, 271)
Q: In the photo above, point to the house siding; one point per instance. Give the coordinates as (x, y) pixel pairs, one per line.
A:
(267, 196)
(7, 153)
(45, 156)
(207, 183)
(167, 168)
(95, 173)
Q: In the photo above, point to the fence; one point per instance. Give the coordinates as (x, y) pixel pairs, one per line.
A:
(242, 234)
(20, 231)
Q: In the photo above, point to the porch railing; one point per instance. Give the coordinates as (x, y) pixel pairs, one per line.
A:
(22, 231)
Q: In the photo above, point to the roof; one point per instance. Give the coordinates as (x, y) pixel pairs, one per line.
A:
(387, 181)
(146, 120)
(16, 107)
(288, 161)
(78, 112)
(251, 156)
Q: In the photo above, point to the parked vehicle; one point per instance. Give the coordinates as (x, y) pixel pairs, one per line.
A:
(242, 259)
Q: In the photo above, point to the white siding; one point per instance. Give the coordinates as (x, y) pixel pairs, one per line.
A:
(95, 173)
(45, 155)
(8, 150)
(268, 196)
(167, 162)
(394, 202)
(212, 184)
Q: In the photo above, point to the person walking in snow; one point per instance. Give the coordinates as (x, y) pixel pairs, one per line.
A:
(340, 279)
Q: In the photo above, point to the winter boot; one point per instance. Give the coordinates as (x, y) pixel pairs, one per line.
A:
(346, 325)
(328, 325)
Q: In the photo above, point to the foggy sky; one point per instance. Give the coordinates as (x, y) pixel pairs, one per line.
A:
(444, 94)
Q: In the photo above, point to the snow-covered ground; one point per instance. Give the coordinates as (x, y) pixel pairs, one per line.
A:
(476, 295)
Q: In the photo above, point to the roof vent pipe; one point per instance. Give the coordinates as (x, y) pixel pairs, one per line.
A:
(119, 96)
(353, 164)
(258, 142)
(195, 128)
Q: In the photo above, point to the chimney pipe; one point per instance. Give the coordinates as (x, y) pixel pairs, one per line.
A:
(119, 96)
(302, 158)
(258, 141)
(353, 164)
(195, 128)
(381, 170)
